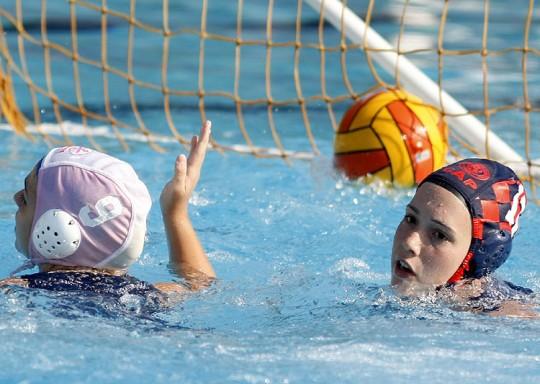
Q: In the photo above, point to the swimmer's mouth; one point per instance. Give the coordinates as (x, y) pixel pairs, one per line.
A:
(404, 269)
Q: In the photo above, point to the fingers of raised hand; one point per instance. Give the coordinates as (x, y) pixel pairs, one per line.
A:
(199, 143)
(180, 170)
(194, 142)
(198, 151)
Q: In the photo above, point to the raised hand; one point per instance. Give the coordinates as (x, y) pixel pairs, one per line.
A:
(186, 254)
(175, 196)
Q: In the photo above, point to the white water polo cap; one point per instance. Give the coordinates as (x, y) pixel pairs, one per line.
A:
(91, 211)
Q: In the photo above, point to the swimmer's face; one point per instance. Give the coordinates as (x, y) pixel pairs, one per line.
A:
(431, 241)
(26, 203)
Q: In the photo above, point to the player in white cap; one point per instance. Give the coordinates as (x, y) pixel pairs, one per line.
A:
(81, 218)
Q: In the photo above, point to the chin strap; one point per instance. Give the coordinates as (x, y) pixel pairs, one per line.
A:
(28, 264)
(464, 267)
(477, 238)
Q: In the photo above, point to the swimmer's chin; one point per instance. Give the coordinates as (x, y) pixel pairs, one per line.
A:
(22, 250)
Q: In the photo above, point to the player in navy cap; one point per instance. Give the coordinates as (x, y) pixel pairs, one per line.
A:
(458, 227)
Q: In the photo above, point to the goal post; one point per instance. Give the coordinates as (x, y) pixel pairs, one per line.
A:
(464, 124)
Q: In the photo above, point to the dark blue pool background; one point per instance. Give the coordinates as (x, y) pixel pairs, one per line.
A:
(302, 255)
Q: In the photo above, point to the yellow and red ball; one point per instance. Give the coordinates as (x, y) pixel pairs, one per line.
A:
(391, 135)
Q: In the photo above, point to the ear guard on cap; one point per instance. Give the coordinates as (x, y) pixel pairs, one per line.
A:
(56, 234)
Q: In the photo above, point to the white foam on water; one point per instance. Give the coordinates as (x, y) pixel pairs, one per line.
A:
(355, 269)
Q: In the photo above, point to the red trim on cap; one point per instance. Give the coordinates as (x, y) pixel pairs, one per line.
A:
(464, 267)
(477, 229)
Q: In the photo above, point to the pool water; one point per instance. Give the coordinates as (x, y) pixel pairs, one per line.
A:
(303, 263)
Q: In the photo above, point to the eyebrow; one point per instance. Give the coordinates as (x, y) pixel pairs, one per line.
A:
(450, 231)
(412, 208)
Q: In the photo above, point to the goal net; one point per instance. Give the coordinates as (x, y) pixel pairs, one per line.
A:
(275, 76)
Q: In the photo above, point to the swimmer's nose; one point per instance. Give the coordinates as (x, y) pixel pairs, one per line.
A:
(17, 198)
(412, 244)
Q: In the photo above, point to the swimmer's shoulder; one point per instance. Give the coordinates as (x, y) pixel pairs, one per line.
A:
(513, 308)
(493, 287)
(514, 300)
(494, 297)
(14, 281)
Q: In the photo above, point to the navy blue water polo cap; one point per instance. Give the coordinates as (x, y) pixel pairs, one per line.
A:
(495, 198)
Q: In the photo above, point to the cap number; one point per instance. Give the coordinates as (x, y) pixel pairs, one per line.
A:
(518, 206)
(106, 208)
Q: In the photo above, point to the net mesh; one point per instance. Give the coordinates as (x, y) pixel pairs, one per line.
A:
(265, 68)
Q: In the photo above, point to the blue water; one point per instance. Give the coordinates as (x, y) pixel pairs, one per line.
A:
(302, 256)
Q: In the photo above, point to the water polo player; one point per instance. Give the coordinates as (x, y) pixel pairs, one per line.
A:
(81, 220)
(458, 227)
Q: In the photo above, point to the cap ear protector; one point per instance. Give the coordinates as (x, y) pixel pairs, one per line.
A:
(495, 198)
(56, 234)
